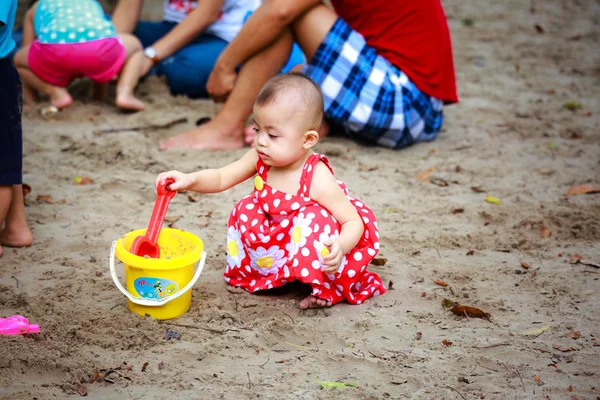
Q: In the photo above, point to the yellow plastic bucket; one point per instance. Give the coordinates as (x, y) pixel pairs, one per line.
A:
(160, 287)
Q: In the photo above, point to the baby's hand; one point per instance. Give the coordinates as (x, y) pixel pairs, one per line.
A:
(334, 258)
(181, 184)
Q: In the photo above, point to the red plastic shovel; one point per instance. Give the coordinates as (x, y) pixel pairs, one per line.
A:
(146, 246)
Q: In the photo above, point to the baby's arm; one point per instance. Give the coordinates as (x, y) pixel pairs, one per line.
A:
(325, 190)
(213, 180)
(28, 30)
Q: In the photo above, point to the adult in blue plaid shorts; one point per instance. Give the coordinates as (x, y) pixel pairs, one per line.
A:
(384, 66)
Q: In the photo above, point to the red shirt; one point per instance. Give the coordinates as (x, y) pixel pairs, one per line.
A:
(411, 34)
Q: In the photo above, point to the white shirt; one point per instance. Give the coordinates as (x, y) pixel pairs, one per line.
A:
(226, 27)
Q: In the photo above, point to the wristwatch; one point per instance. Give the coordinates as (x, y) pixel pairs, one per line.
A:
(151, 53)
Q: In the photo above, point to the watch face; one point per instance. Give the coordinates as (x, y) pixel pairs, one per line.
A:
(150, 52)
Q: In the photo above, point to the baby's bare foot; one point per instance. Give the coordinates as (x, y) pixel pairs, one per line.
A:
(314, 302)
(129, 102)
(60, 98)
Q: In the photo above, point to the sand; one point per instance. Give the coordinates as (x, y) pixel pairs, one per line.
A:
(510, 136)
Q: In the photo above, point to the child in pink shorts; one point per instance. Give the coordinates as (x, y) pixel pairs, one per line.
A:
(68, 39)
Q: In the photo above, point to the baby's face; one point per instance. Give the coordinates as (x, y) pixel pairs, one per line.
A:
(280, 133)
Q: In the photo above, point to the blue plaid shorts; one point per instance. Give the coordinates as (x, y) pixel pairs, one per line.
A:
(368, 96)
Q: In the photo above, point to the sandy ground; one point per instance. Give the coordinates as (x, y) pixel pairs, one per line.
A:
(511, 136)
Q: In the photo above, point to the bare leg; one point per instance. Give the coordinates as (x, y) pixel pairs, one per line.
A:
(310, 29)
(314, 302)
(59, 97)
(126, 15)
(16, 232)
(130, 74)
(226, 130)
(30, 95)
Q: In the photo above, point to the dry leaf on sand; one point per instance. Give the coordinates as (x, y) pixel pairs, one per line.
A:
(545, 231)
(423, 176)
(438, 181)
(193, 197)
(46, 198)
(470, 312)
(564, 349)
(379, 261)
(583, 189)
(577, 259)
(441, 283)
(83, 180)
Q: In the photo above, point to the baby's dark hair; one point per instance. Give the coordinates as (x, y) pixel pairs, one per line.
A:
(308, 95)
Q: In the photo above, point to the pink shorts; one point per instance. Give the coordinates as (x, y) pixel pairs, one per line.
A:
(58, 64)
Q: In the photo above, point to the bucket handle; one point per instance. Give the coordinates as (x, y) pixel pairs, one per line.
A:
(150, 302)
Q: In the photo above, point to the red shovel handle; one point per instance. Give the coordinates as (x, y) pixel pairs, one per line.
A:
(163, 198)
(163, 188)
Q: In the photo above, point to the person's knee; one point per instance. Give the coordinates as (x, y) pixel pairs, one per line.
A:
(280, 10)
(130, 41)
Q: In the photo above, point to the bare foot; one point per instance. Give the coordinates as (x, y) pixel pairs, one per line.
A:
(60, 98)
(212, 135)
(129, 102)
(314, 302)
(21, 238)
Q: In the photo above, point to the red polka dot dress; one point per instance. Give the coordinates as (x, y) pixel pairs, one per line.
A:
(275, 237)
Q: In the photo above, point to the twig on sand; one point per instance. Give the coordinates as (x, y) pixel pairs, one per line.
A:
(452, 291)
(437, 246)
(300, 347)
(213, 330)
(249, 381)
(490, 346)
(542, 350)
(460, 394)
(16, 280)
(235, 300)
(141, 128)
(521, 378)
(290, 317)
(261, 365)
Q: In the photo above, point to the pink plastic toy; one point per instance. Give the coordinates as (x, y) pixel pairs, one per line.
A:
(17, 325)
